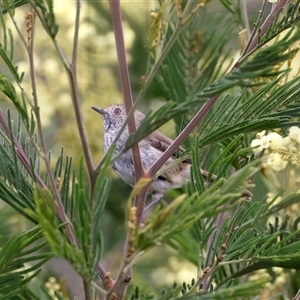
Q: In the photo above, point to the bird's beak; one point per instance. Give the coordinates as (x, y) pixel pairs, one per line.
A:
(99, 110)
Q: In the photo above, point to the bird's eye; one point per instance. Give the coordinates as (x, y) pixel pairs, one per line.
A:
(117, 111)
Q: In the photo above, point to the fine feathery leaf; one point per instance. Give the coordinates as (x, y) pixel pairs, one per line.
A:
(254, 113)
(45, 215)
(7, 88)
(15, 256)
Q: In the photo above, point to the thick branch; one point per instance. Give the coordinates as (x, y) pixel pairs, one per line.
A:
(125, 82)
(122, 284)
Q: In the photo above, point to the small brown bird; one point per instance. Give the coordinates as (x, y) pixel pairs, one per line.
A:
(151, 148)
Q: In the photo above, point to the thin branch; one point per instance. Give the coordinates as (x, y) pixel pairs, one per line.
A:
(297, 296)
(99, 289)
(72, 76)
(219, 223)
(80, 125)
(269, 19)
(140, 200)
(103, 273)
(213, 270)
(124, 273)
(21, 36)
(202, 278)
(245, 16)
(182, 136)
(86, 284)
(76, 34)
(36, 109)
(62, 55)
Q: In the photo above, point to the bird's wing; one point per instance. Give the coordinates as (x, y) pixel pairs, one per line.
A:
(161, 142)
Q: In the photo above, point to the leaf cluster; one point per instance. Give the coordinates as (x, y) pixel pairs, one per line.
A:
(15, 257)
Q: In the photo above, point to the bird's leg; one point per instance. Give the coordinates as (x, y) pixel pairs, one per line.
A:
(155, 198)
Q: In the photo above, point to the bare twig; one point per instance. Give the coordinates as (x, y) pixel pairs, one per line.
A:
(72, 74)
(124, 275)
(182, 136)
(21, 36)
(127, 97)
